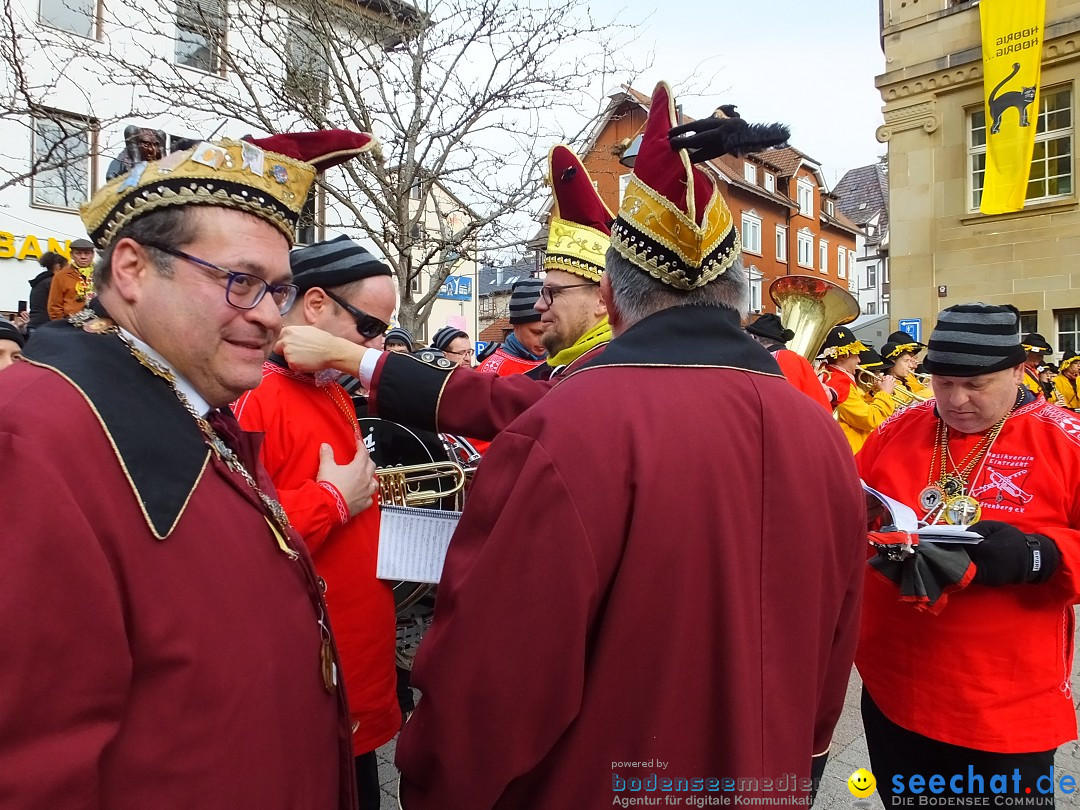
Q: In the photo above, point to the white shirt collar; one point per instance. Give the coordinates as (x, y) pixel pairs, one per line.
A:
(201, 406)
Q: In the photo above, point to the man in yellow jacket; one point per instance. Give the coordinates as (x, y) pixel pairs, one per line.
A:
(1037, 351)
(857, 416)
(1065, 382)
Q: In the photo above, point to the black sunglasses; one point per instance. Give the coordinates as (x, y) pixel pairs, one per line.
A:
(367, 325)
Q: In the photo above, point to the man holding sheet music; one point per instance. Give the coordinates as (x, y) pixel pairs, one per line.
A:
(981, 681)
(315, 454)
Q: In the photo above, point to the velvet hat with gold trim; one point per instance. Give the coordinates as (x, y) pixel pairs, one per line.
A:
(673, 222)
(580, 229)
(842, 342)
(268, 177)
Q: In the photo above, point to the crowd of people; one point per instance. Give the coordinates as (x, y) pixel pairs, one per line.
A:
(665, 567)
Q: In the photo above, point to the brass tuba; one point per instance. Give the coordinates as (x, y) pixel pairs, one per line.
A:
(810, 307)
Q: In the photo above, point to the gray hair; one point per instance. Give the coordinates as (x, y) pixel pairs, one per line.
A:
(638, 295)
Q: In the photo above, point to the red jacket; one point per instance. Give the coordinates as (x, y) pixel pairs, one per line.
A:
(801, 374)
(992, 670)
(297, 417)
(503, 364)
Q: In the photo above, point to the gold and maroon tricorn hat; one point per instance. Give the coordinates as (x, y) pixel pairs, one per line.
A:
(580, 229)
(673, 222)
(268, 177)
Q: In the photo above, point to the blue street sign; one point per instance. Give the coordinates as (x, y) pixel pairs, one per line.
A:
(913, 326)
(456, 288)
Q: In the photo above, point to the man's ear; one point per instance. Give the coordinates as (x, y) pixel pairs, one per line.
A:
(129, 268)
(314, 303)
(607, 302)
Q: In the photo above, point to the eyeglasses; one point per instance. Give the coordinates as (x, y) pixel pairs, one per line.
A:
(242, 290)
(367, 325)
(462, 353)
(549, 294)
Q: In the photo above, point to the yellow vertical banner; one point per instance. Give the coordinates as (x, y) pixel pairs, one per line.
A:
(1012, 39)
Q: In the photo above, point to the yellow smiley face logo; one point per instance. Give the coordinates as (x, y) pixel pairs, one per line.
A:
(861, 783)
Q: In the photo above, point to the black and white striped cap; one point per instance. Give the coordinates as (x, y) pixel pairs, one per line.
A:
(333, 263)
(973, 339)
(523, 298)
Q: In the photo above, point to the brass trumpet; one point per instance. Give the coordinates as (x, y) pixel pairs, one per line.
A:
(400, 485)
(902, 396)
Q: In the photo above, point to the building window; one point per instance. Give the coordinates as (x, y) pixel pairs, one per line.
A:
(806, 248)
(851, 262)
(307, 72)
(805, 191)
(755, 276)
(829, 207)
(73, 16)
(624, 181)
(871, 276)
(871, 308)
(200, 34)
(1051, 162)
(1029, 322)
(414, 283)
(62, 151)
(841, 263)
(749, 172)
(781, 243)
(823, 256)
(751, 232)
(884, 306)
(1068, 330)
(770, 182)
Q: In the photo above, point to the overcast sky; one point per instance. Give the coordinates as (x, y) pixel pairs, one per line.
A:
(809, 65)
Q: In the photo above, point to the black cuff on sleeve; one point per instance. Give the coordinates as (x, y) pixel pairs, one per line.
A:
(408, 391)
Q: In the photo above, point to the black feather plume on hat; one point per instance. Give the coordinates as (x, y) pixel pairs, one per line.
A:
(708, 138)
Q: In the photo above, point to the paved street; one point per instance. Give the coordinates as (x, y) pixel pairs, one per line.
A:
(848, 754)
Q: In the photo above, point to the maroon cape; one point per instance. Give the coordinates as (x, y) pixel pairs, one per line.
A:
(159, 650)
(657, 573)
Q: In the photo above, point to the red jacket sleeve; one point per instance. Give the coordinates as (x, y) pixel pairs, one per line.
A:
(66, 666)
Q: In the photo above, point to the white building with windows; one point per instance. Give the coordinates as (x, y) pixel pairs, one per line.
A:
(56, 151)
(942, 250)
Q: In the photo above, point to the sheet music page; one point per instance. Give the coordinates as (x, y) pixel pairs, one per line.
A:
(413, 543)
(905, 520)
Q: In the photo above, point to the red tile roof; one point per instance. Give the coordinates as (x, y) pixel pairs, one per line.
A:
(497, 331)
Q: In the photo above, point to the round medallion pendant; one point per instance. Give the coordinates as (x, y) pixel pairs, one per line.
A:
(98, 325)
(963, 510)
(931, 498)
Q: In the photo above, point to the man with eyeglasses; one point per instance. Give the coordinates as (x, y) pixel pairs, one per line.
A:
(454, 343)
(165, 639)
(316, 457)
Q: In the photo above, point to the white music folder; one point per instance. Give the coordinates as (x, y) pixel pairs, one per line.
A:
(413, 543)
(905, 520)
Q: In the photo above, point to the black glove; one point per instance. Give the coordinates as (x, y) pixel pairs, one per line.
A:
(1009, 557)
(708, 138)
